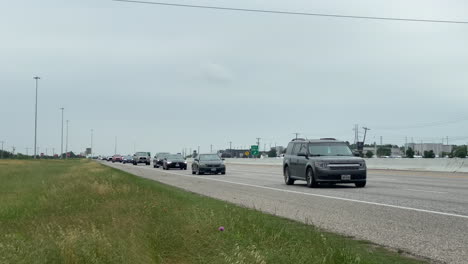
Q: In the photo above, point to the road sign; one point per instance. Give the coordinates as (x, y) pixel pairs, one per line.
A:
(247, 153)
(254, 150)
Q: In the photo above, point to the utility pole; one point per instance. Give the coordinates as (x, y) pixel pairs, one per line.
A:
(35, 119)
(230, 146)
(406, 144)
(198, 153)
(297, 134)
(92, 131)
(447, 141)
(356, 134)
(365, 133)
(258, 142)
(66, 142)
(381, 141)
(211, 148)
(61, 146)
(115, 146)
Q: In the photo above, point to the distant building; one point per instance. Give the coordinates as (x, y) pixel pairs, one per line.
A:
(438, 148)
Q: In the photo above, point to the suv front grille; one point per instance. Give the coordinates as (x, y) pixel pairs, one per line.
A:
(344, 166)
(212, 165)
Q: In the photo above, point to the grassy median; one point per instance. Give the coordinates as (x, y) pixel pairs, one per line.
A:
(79, 211)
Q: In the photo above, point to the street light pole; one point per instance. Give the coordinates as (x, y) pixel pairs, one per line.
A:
(66, 144)
(35, 114)
(61, 146)
(92, 130)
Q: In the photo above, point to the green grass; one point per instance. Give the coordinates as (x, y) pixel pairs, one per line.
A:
(82, 212)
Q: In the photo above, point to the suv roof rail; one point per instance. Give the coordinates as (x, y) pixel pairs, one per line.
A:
(298, 139)
(328, 139)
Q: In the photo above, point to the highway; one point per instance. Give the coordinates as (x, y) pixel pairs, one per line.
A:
(422, 213)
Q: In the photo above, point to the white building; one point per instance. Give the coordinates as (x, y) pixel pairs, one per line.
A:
(438, 148)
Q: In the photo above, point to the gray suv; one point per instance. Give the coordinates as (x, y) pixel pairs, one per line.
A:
(323, 161)
(142, 157)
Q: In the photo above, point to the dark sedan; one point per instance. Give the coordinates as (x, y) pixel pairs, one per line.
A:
(208, 163)
(174, 161)
(158, 160)
(127, 159)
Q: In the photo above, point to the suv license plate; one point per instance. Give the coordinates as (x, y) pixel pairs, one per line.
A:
(345, 177)
(177, 165)
(213, 169)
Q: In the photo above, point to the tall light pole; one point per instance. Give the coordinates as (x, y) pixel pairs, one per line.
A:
(115, 146)
(66, 142)
(37, 78)
(61, 146)
(92, 130)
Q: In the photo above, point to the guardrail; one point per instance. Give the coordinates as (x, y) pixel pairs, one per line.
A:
(417, 164)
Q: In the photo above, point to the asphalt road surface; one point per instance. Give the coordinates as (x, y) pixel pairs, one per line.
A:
(422, 213)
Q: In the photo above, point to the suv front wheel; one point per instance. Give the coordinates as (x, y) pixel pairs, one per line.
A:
(310, 178)
(287, 176)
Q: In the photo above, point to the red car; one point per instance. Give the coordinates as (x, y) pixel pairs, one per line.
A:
(117, 158)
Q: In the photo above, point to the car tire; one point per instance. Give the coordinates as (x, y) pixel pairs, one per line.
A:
(360, 184)
(311, 183)
(149, 163)
(154, 166)
(223, 173)
(287, 176)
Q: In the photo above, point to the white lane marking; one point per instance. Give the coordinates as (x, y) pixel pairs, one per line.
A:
(318, 195)
(416, 190)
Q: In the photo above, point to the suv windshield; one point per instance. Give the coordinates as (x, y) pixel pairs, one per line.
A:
(142, 153)
(209, 157)
(329, 149)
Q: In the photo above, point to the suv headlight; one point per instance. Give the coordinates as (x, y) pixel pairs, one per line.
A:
(322, 165)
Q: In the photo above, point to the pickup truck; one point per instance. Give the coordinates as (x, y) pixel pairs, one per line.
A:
(142, 157)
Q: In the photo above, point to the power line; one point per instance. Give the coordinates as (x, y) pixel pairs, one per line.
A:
(295, 13)
(429, 124)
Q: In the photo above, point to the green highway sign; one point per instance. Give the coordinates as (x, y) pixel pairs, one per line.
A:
(254, 150)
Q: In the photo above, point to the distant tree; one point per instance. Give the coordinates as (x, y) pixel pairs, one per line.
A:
(369, 154)
(5, 154)
(384, 151)
(460, 152)
(272, 153)
(410, 153)
(429, 154)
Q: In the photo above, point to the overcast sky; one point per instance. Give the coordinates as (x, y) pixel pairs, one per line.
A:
(166, 78)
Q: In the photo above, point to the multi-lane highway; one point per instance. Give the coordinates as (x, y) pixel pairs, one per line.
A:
(423, 213)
